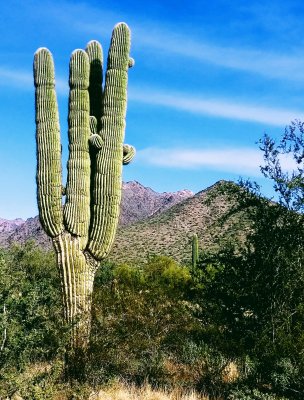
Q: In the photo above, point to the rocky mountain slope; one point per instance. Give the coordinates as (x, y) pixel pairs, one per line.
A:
(153, 223)
(138, 202)
(170, 232)
(9, 226)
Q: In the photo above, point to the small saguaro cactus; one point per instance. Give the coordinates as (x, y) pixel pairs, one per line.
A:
(195, 250)
(83, 229)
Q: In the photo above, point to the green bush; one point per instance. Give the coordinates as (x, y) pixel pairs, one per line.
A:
(30, 314)
(252, 394)
(140, 318)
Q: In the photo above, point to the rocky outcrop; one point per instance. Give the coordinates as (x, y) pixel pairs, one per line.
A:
(140, 202)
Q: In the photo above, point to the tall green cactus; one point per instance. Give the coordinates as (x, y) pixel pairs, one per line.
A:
(83, 229)
(195, 250)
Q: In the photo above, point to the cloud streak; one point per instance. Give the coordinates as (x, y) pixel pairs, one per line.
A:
(222, 108)
(267, 64)
(19, 78)
(234, 160)
(25, 80)
(216, 107)
(168, 43)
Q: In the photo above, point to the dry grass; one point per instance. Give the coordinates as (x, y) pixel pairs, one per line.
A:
(119, 391)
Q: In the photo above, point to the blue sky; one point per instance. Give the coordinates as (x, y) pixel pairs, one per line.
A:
(209, 80)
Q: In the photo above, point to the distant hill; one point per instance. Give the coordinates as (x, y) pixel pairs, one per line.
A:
(138, 202)
(30, 229)
(152, 223)
(7, 227)
(170, 232)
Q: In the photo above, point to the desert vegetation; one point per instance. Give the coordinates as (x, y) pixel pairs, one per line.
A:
(228, 325)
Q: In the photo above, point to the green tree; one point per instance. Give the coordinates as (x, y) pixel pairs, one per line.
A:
(288, 184)
(30, 313)
(251, 294)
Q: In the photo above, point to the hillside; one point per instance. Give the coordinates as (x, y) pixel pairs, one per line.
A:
(9, 226)
(170, 232)
(151, 223)
(138, 202)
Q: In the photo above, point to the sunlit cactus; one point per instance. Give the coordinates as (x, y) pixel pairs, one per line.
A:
(83, 229)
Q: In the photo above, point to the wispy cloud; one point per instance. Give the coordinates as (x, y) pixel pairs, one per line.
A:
(236, 160)
(223, 108)
(269, 64)
(180, 43)
(19, 78)
(216, 107)
(25, 80)
(151, 35)
(242, 160)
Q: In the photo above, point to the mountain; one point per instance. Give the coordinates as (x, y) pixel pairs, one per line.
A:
(138, 202)
(31, 229)
(154, 223)
(170, 231)
(9, 226)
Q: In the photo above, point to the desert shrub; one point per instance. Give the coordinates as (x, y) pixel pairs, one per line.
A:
(252, 394)
(30, 313)
(140, 318)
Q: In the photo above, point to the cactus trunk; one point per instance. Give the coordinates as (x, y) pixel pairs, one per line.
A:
(77, 278)
(82, 230)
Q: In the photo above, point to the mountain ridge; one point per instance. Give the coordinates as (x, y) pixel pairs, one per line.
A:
(154, 223)
(138, 202)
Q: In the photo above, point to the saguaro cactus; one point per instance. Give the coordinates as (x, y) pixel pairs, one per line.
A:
(83, 229)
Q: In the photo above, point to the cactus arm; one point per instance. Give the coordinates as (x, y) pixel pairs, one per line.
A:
(95, 139)
(77, 206)
(128, 154)
(95, 54)
(49, 186)
(106, 194)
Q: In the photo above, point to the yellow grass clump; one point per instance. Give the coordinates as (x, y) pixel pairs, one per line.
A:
(120, 391)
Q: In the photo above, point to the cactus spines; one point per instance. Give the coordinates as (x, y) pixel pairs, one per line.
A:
(77, 205)
(48, 143)
(128, 154)
(82, 230)
(195, 250)
(106, 183)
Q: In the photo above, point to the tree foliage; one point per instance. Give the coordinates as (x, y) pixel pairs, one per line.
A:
(30, 308)
(251, 295)
(284, 165)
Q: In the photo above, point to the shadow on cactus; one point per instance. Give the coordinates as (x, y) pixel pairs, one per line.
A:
(82, 230)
